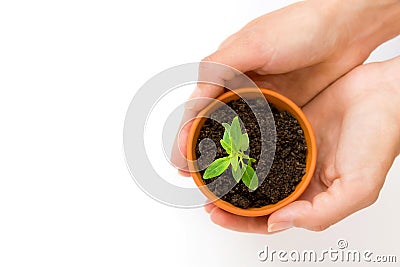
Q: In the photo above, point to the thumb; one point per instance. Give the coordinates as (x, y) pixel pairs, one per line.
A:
(223, 68)
(343, 198)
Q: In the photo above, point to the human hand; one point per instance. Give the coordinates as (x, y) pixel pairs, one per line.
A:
(357, 126)
(298, 51)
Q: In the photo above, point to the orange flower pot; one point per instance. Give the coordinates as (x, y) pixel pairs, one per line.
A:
(280, 102)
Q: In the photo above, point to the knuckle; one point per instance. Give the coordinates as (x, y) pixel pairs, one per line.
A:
(227, 41)
(209, 58)
(252, 41)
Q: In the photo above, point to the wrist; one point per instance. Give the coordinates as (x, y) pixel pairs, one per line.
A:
(368, 23)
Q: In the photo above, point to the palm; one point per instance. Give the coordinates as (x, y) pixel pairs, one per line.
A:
(358, 138)
(355, 146)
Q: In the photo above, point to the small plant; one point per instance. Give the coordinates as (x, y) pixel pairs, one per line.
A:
(235, 144)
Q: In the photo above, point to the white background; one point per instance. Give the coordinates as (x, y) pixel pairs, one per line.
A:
(68, 71)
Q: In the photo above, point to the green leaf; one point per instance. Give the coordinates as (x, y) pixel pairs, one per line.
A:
(234, 163)
(250, 178)
(226, 126)
(245, 142)
(226, 146)
(238, 173)
(245, 156)
(251, 160)
(235, 134)
(226, 137)
(216, 168)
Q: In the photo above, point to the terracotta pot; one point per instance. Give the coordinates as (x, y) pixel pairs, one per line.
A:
(280, 102)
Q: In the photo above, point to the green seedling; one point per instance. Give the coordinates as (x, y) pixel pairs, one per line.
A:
(235, 144)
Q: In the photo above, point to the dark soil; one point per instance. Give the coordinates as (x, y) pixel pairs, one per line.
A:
(288, 165)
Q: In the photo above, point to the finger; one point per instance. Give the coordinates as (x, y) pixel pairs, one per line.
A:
(343, 198)
(314, 188)
(212, 79)
(238, 55)
(228, 41)
(179, 149)
(184, 173)
(209, 207)
(239, 223)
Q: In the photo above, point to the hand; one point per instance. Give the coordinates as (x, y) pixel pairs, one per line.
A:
(298, 51)
(357, 126)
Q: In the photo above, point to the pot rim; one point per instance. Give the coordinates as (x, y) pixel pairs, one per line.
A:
(286, 104)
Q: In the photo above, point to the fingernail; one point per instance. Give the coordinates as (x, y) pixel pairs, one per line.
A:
(274, 227)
